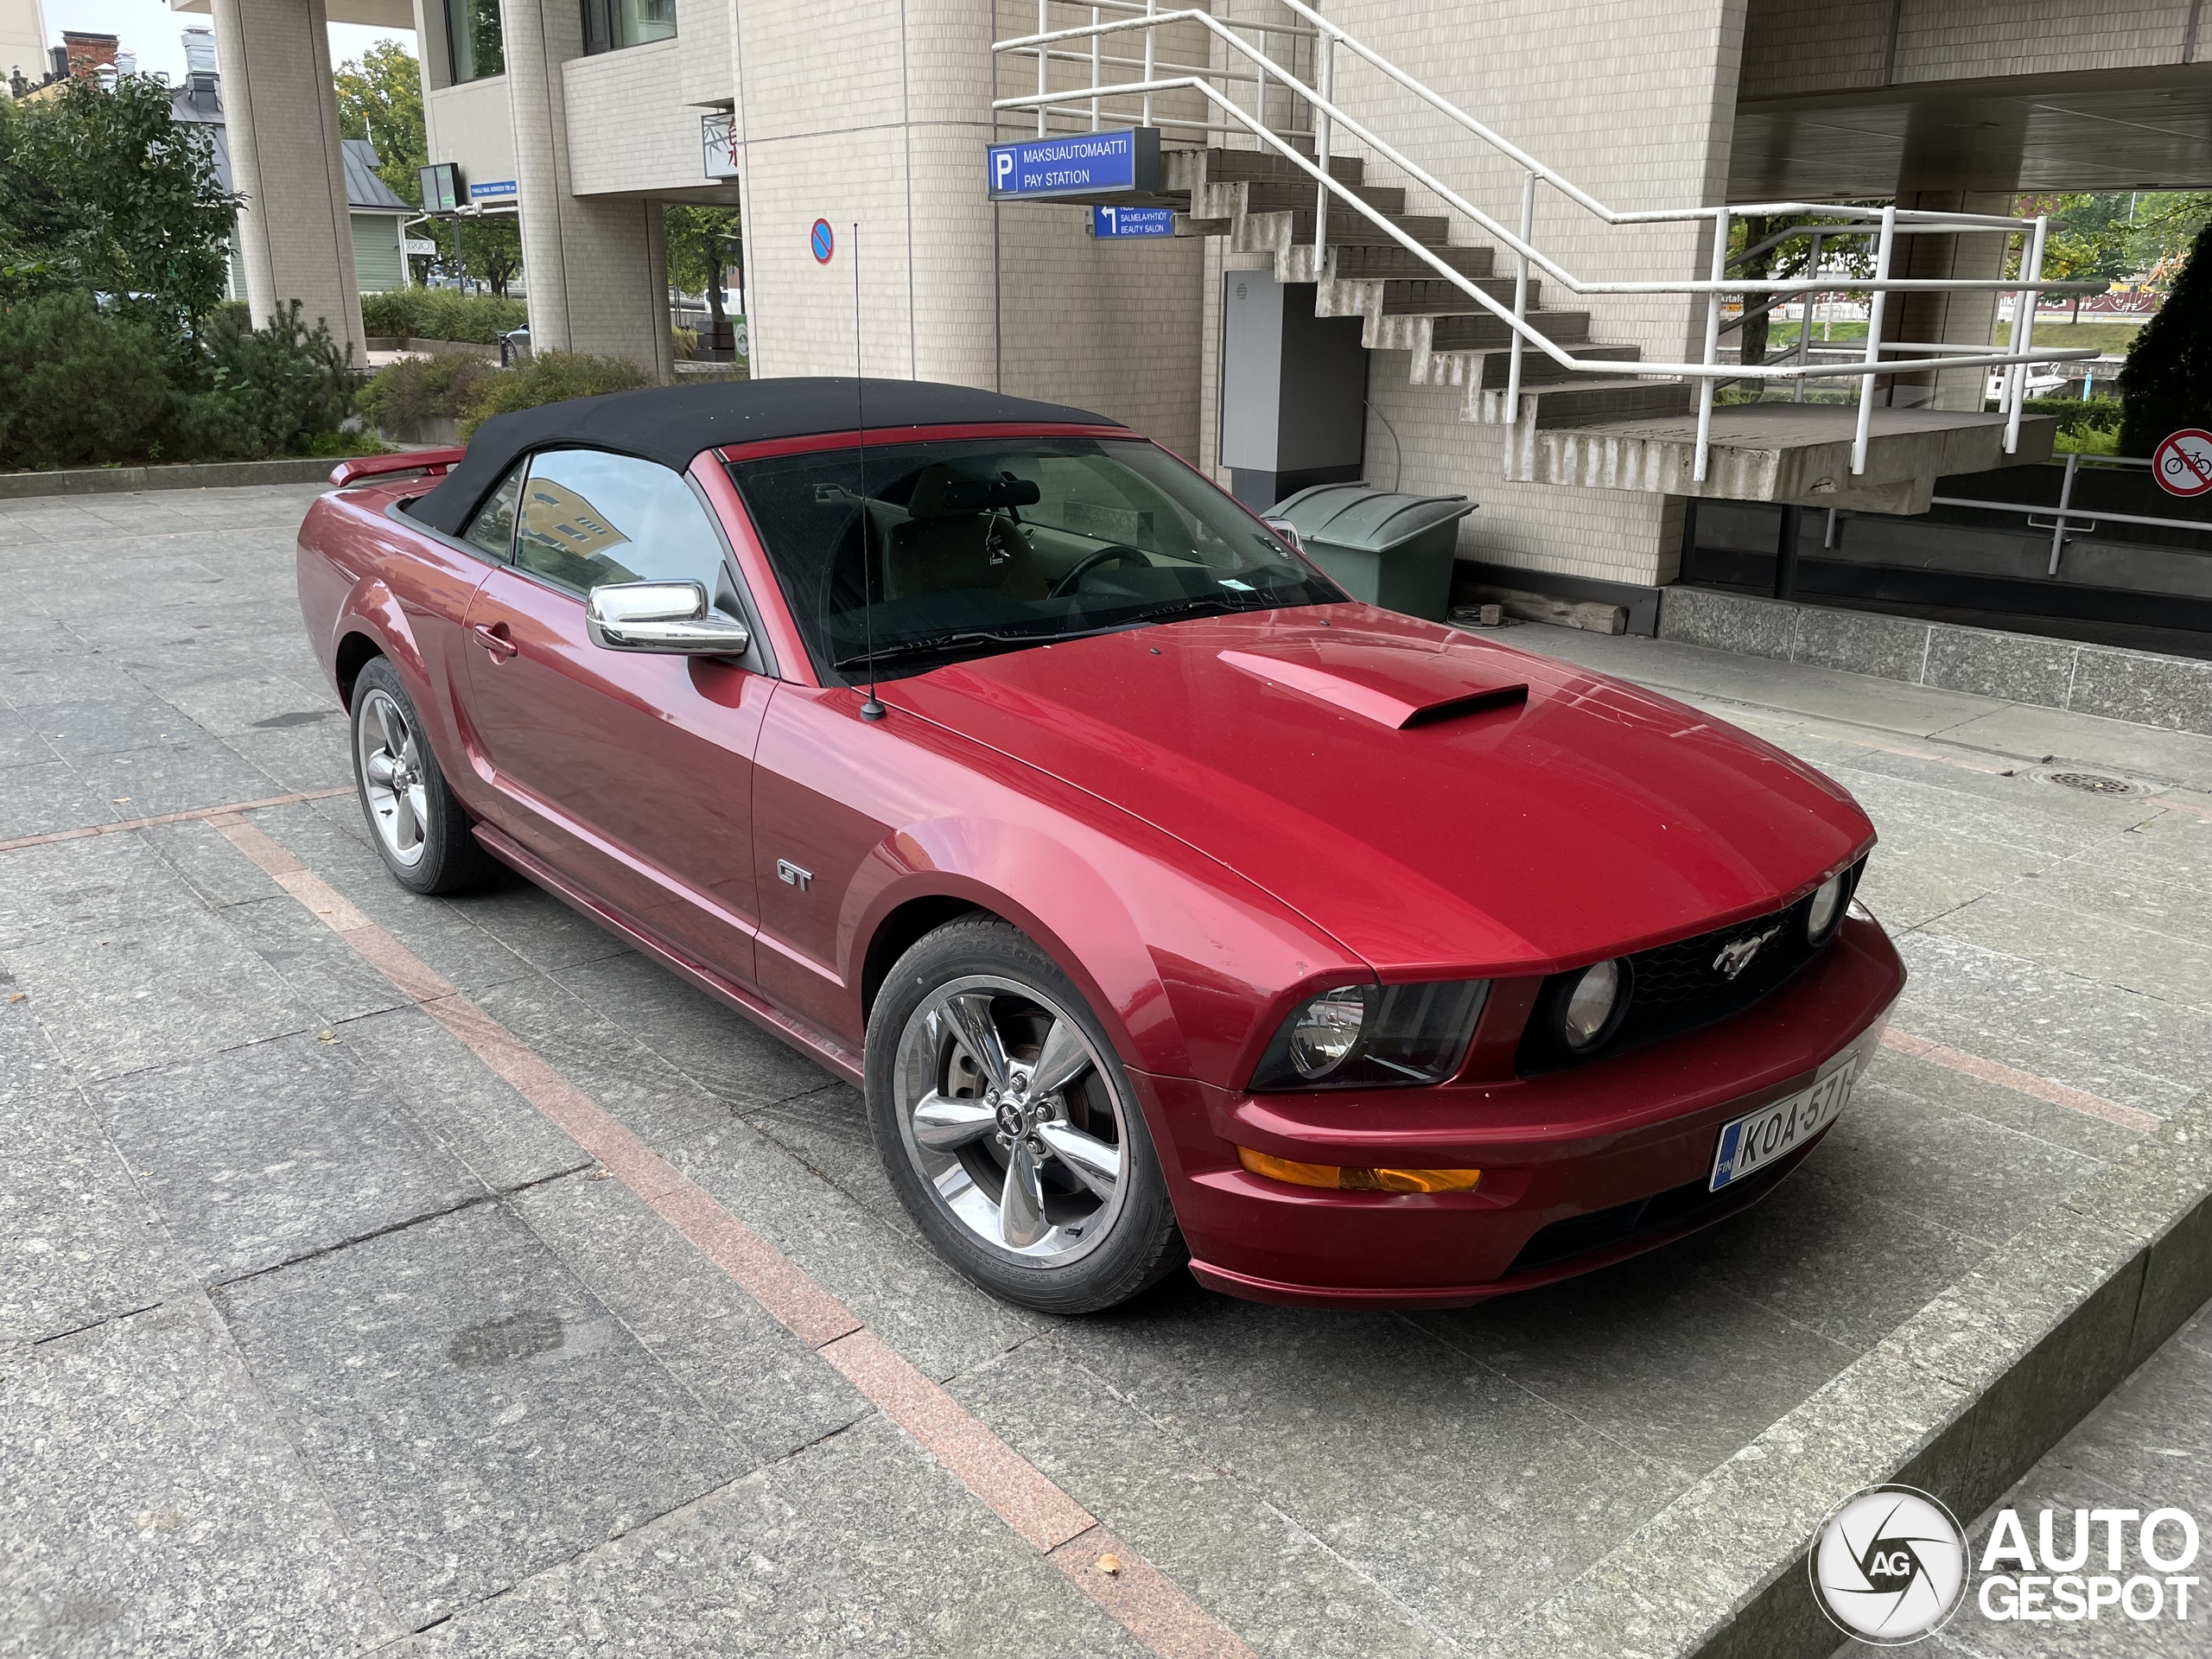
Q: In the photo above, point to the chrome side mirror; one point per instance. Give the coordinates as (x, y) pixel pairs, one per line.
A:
(1287, 531)
(668, 617)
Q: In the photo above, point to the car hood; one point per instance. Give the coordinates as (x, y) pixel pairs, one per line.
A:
(1429, 798)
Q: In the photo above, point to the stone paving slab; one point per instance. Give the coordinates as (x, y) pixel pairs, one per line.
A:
(153, 1504)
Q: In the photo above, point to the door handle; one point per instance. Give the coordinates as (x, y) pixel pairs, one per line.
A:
(492, 636)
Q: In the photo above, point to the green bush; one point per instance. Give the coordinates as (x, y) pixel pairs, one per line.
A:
(84, 387)
(262, 392)
(2167, 382)
(440, 314)
(78, 387)
(2077, 417)
(424, 388)
(550, 376)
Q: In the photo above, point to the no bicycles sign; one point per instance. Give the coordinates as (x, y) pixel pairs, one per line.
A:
(2183, 462)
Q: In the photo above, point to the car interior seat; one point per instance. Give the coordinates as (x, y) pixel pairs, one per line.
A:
(958, 534)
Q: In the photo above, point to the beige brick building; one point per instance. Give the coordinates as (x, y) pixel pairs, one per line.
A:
(589, 117)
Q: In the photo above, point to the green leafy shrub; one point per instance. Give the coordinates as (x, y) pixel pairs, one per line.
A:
(440, 314)
(262, 392)
(550, 376)
(417, 389)
(78, 387)
(686, 342)
(2167, 384)
(2077, 417)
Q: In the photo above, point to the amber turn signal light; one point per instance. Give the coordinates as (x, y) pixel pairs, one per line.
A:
(1359, 1180)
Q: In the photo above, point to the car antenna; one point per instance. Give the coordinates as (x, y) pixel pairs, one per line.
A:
(873, 708)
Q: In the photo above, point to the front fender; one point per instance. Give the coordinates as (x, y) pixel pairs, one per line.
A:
(1180, 965)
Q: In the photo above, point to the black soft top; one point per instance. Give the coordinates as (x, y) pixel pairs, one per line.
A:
(672, 424)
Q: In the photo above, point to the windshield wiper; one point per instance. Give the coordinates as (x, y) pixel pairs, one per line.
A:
(1223, 601)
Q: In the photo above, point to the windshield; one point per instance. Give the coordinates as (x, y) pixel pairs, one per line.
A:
(997, 544)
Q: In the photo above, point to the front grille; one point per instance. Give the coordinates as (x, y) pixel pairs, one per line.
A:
(1679, 986)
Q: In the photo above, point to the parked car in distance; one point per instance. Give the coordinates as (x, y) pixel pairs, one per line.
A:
(1166, 905)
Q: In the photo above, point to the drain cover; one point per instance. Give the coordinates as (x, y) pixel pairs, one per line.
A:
(2094, 783)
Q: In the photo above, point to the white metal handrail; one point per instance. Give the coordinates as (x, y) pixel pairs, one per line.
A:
(1087, 103)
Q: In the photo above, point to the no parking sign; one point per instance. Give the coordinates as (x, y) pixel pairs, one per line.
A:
(2183, 462)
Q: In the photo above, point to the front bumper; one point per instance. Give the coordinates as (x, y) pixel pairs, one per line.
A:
(1610, 1157)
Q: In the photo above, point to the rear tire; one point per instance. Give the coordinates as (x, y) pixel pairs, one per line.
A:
(1052, 1198)
(418, 828)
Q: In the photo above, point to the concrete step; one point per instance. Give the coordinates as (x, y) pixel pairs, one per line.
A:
(1433, 297)
(1796, 453)
(1538, 369)
(1347, 228)
(1268, 196)
(1581, 402)
(1483, 332)
(1379, 261)
(1253, 166)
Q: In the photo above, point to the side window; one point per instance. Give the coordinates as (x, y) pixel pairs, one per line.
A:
(589, 518)
(492, 529)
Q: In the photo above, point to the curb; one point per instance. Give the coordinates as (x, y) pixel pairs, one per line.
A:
(2145, 688)
(103, 481)
(1961, 1399)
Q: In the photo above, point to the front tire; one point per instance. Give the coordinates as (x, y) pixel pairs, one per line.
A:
(1006, 1123)
(419, 830)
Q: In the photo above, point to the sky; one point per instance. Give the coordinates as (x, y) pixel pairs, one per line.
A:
(153, 31)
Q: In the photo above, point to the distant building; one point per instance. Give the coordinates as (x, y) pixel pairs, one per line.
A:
(22, 40)
(378, 215)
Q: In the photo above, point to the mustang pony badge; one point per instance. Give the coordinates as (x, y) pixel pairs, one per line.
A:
(1736, 956)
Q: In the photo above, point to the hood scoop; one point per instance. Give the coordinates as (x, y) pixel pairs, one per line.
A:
(1420, 692)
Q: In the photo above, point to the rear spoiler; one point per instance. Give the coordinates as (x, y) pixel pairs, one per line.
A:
(352, 471)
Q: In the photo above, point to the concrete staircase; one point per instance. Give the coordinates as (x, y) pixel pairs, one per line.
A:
(1624, 431)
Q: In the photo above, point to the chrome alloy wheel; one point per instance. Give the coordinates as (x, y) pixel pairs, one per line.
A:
(1010, 1118)
(392, 785)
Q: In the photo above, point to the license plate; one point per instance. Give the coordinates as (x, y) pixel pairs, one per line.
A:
(1756, 1140)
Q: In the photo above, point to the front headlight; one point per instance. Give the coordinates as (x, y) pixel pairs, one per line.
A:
(1374, 1037)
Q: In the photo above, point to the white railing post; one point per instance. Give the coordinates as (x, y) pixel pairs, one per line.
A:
(1711, 345)
(1150, 34)
(1095, 82)
(1805, 321)
(2058, 522)
(1327, 47)
(1875, 308)
(1044, 62)
(2024, 334)
(1520, 299)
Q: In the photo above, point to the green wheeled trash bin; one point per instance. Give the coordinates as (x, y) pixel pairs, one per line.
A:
(1389, 549)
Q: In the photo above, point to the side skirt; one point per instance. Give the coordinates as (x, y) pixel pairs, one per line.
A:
(824, 1051)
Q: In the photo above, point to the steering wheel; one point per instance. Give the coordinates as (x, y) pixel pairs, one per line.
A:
(1119, 553)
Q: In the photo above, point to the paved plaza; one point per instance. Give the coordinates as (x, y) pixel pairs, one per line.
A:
(332, 1323)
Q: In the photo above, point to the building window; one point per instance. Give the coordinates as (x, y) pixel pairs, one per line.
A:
(611, 24)
(473, 40)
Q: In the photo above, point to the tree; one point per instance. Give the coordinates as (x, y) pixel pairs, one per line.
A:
(2167, 383)
(2090, 238)
(491, 250)
(380, 98)
(1791, 257)
(107, 193)
(2165, 226)
(701, 241)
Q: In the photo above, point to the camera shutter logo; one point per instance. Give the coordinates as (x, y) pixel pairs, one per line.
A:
(1890, 1566)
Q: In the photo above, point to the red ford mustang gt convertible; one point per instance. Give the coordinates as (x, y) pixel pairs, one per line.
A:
(1168, 905)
